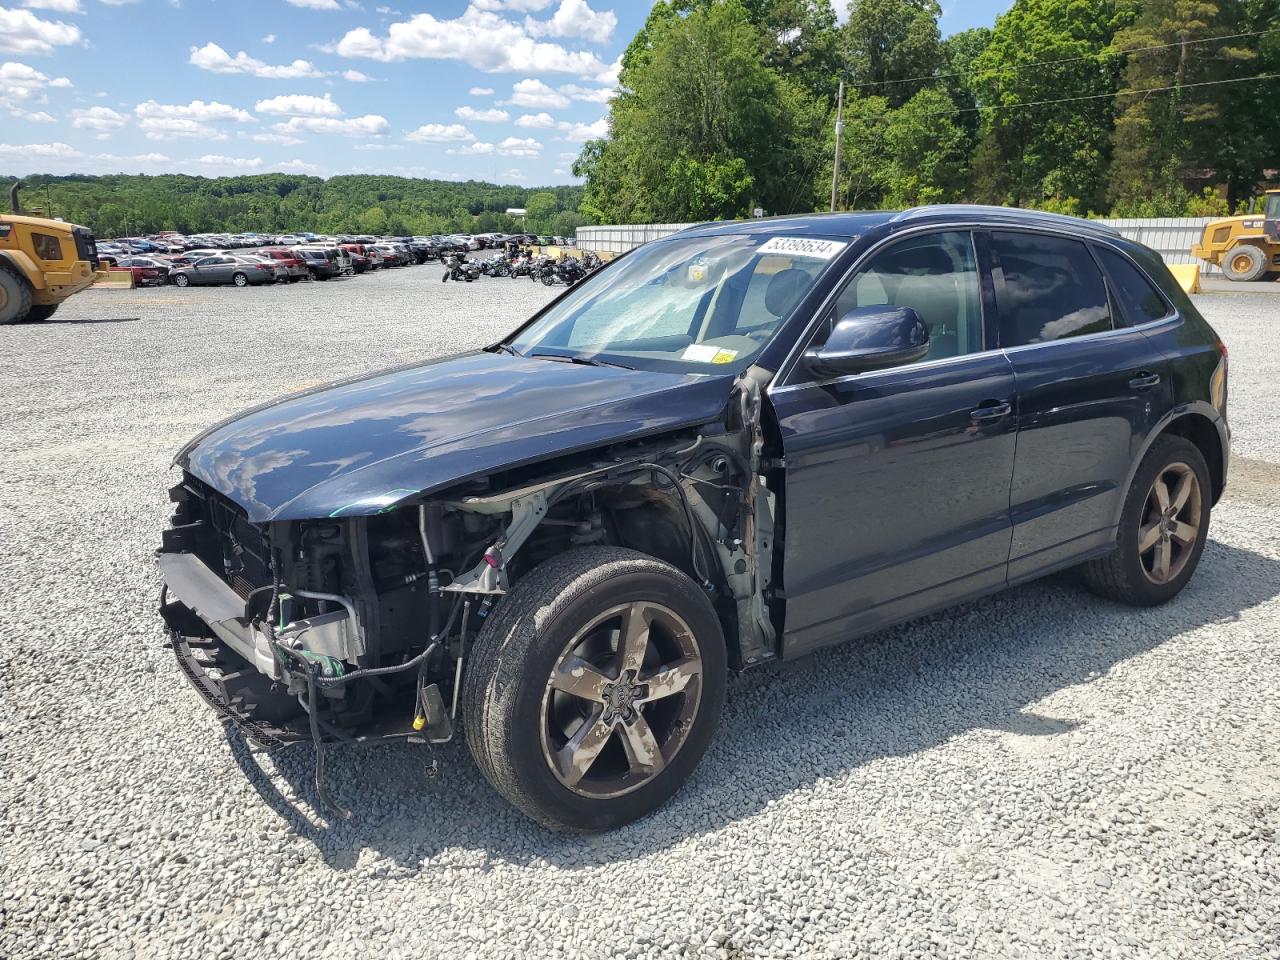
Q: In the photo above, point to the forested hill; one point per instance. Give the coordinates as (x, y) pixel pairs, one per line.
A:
(122, 204)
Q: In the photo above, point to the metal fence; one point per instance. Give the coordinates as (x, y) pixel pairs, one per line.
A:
(1171, 237)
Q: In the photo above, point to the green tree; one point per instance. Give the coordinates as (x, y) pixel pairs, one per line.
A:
(928, 152)
(539, 209)
(887, 44)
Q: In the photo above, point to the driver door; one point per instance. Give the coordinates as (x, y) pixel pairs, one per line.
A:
(898, 480)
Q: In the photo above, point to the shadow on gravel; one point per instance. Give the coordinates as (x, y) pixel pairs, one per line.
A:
(785, 726)
(54, 322)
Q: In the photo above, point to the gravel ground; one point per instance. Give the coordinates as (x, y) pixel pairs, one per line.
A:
(1039, 774)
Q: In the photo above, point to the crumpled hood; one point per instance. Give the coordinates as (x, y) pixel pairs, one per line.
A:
(360, 446)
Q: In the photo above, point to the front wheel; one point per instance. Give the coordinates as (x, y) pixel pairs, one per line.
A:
(1162, 530)
(594, 688)
(181, 280)
(1245, 264)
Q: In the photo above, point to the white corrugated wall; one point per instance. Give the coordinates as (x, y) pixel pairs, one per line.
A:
(1171, 237)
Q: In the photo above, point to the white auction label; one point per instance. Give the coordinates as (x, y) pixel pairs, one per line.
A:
(803, 247)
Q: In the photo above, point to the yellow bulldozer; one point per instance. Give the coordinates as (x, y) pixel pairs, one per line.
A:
(42, 263)
(1248, 247)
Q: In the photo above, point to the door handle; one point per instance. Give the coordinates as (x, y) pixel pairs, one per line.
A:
(1145, 381)
(991, 410)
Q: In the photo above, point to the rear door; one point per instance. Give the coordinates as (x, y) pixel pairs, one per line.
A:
(897, 491)
(1090, 390)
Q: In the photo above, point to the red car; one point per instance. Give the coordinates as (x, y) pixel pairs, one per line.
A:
(146, 271)
(294, 264)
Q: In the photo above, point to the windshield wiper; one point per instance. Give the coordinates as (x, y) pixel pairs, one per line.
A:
(507, 348)
(584, 361)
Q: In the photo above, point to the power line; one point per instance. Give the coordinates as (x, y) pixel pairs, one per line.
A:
(1088, 56)
(1118, 93)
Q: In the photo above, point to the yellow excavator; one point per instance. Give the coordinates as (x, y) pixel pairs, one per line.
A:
(42, 263)
(1248, 247)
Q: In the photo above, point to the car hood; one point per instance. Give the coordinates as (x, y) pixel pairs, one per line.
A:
(361, 446)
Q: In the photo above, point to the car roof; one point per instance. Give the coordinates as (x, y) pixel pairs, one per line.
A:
(855, 224)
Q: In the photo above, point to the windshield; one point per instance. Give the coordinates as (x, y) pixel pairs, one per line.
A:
(684, 304)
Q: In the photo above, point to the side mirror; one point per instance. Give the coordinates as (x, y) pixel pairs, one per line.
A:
(870, 338)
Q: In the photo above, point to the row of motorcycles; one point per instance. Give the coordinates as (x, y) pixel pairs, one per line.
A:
(547, 270)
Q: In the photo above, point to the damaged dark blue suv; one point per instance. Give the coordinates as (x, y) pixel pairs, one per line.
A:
(731, 446)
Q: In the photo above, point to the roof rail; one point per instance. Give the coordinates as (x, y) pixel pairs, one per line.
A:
(1011, 213)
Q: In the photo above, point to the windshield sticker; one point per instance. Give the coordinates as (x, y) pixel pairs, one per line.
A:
(700, 353)
(803, 247)
(724, 356)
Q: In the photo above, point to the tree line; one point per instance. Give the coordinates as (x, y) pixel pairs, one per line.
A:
(1121, 107)
(128, 205)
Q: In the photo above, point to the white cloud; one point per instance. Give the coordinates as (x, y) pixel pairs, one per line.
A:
(221, 162)
(534, 93)
(609, 75)
(479, 38)
(118, 3)
(269, 38)
(493, 115)
(98, 118)
(516, 147)
(515, 175)
(479, 148)
(213, 58)
(370, 125)
(38, 116)
(18, 80)
(299, 105)
(589, 94)
(280, 138)
(55, 6)
(481, 91)
(582, 132)
(440, 133)
(298, 166)
(536, 121)
(21, 31)
(378, 146)
(23, 151)
(574, 18)
(315, 4)
(355, 76)
(162, 121)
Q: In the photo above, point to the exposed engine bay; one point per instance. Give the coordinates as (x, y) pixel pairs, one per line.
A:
(357, 628)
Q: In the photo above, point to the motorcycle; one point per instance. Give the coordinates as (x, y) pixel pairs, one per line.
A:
(458, 267)
(496, 267)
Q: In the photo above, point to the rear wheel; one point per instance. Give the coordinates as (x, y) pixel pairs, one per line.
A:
(15, 297)
(240, 280)
(1162, 530)
(1245, 264)
(593, 690)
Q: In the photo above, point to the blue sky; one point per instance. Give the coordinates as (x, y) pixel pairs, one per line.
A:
(501, 90)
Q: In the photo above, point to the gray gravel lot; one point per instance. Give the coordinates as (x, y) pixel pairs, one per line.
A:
(1040, 774)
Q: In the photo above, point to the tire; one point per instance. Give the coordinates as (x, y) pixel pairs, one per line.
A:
(181, 280)
(1244, 264)
(239, 279)
(39, 313)
(1130, 574)
(445, 278)
(15, 297)
(516, 721)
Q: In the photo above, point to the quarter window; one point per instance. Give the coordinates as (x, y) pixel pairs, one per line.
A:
(47, 248)
(1138, 300)
(937, 276)
(1052, 289)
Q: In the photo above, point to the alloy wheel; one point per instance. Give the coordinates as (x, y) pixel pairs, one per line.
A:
(621, 700)
(1170, 523)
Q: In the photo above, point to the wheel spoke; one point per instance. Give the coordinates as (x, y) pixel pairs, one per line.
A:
(633, 641)
(1182, 492)
(643, 753)
(1161, 490)
(1148, 537)
(1164, 559)
(670, 679)
(575, 758)
(579, 679)
(1184, 533)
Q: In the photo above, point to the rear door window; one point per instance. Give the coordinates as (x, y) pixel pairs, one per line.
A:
(1052, 289)
(1137, 298)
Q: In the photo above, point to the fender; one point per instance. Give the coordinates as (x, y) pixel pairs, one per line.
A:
(25, 267)
(1196, 407)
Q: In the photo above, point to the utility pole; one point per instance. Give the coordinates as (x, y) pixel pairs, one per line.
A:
(48, 195)
(835, 173)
